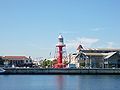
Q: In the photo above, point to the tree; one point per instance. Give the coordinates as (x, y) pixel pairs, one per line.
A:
(47, 64)
(44, 64)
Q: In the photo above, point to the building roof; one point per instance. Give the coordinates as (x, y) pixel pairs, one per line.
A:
(80, 47)
(1, 56)
(109, 55)
(15, 57)
(102, 49)
(94, 54)
(105, 55)
(114, 49)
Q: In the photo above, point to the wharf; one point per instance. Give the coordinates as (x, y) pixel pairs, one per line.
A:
(51, 71)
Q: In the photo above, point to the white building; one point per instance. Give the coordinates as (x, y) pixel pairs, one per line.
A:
(96, 58)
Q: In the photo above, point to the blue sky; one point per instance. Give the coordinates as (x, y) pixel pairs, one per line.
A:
(31, 27)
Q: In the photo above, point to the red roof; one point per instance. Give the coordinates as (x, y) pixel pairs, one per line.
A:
(16, 57)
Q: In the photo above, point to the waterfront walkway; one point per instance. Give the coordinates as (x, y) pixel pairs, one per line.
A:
(60, 71)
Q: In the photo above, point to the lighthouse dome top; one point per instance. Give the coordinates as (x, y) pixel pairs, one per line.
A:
(60, 36)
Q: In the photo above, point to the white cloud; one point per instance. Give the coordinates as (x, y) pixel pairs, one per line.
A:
(97, 29)
(86, 42)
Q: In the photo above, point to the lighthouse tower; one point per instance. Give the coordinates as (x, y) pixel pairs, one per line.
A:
(60, 46)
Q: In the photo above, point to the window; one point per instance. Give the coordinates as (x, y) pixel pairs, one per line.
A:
(26, 60)
(30, 60)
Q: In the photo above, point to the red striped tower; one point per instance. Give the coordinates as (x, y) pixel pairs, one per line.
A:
(60, 46)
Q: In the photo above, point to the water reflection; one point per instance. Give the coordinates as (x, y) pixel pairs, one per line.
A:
(60, 82)
(97, 82)
(87, 82)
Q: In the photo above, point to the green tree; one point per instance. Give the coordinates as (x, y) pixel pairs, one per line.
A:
(47, 64)
(44, 64)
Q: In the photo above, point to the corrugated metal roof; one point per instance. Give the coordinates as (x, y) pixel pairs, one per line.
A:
(106, 55)
(94, 54)
(109, 55)
(103, 49)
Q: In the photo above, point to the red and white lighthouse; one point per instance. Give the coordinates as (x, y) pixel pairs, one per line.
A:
(60, 46)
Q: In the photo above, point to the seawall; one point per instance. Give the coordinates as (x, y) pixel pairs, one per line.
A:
(28, 71)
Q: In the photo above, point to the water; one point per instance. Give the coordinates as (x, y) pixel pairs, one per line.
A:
(59, 82)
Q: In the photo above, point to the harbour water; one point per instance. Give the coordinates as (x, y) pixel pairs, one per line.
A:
(59, 82)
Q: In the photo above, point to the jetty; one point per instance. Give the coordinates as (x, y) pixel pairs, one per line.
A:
(66, 71)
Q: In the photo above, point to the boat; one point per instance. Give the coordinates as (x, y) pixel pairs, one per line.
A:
(2, 70)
